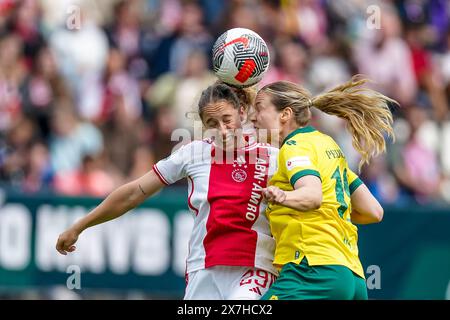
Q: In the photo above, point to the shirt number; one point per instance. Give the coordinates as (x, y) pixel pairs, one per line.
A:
(340, 189)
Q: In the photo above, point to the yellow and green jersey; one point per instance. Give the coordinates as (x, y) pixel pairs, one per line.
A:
(326, 236)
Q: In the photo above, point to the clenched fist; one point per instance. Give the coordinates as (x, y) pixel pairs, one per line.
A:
(274, 194)
(66, 241)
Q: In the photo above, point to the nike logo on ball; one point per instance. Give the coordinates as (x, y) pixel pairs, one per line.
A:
(243, 40)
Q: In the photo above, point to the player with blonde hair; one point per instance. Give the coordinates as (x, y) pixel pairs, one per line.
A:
(314, 197)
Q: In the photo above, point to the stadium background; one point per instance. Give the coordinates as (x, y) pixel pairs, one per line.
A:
(90, 92)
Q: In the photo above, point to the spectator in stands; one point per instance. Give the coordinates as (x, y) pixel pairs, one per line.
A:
(191, 34)
(180, 92)
(426, 71)
(71, 139)
(12, 72)
(81, 55)
(416, 166)
(385, 58)
(289, 63)
(90, 179)
(119, 87)
(38, 172)
(41, 88)
(18, 142)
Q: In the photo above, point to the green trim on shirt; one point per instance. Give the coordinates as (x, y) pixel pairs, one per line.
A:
(354, 185)
(306, 129)
(301, 174)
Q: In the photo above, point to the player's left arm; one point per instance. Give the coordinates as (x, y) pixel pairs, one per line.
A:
(365, 207)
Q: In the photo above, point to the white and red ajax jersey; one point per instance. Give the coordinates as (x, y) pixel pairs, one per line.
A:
(225, 197)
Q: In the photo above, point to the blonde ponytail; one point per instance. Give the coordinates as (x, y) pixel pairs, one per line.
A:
(367, 114)
(366, 111)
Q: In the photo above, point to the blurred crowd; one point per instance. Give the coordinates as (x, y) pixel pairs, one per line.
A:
(90, 91)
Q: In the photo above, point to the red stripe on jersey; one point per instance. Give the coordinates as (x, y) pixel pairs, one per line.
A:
(155, 168)
(234, 195)
(190, 195)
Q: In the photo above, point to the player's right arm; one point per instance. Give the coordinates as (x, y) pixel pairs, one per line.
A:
(299, 164)
(120, 201)
(128, 196)
(365, 207)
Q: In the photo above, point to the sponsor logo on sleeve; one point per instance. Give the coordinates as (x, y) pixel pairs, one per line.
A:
(295, 162)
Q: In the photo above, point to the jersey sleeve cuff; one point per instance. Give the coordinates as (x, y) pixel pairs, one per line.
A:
(354, 185)
(160, 176)
(301, 174)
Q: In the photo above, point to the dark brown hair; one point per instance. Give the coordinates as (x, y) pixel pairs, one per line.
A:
(220, 91)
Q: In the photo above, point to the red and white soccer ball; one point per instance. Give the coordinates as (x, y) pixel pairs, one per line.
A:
(240, 57)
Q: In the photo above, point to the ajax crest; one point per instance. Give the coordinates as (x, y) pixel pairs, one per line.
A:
(239, 175)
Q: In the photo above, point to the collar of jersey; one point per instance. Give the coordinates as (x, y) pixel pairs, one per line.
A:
(306, 129)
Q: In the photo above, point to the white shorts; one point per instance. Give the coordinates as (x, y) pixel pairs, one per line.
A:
(228, 283)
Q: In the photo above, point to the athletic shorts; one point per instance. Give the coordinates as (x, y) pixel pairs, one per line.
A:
(305, 282)
(228, 283)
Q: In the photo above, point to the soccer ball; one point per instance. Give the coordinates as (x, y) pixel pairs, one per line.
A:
(240, 57)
